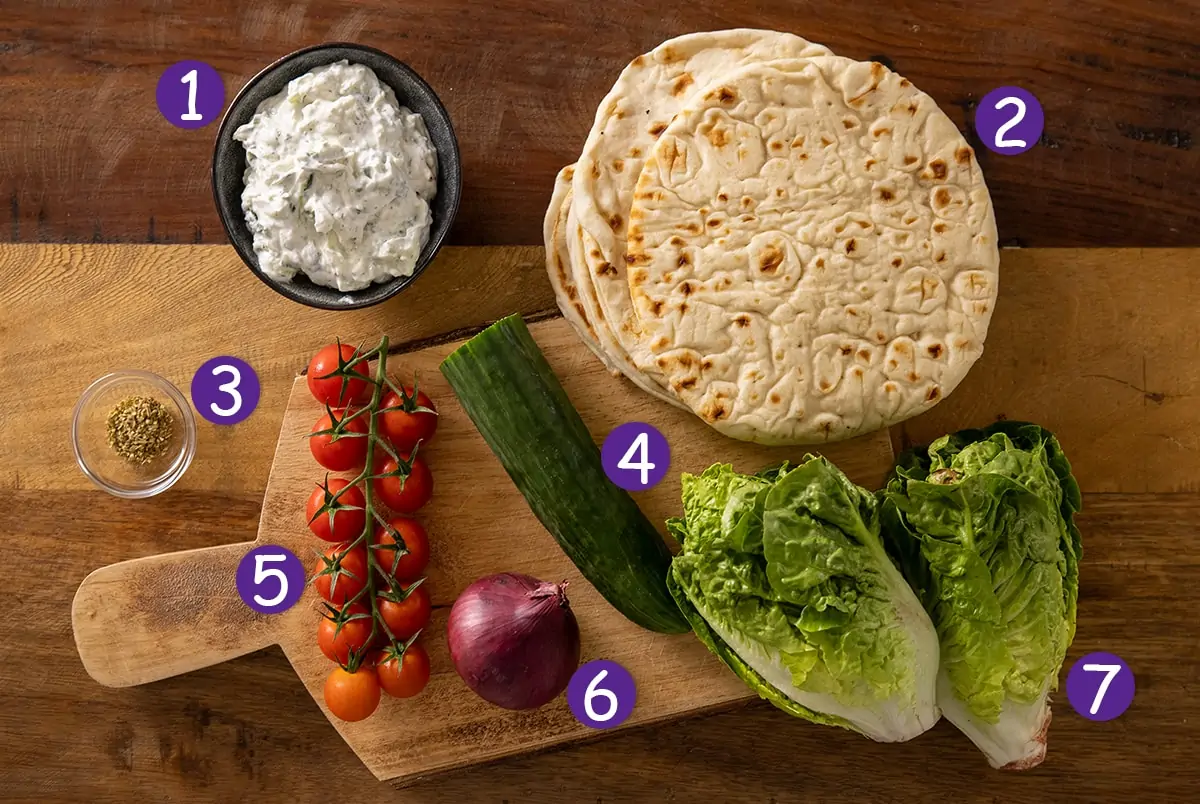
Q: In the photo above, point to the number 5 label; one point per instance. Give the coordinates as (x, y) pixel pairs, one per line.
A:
(225, 390)
(270, 579)
(1100, 686)
(601, 694)
(1009, 120)
(190, 94)
(635, 456)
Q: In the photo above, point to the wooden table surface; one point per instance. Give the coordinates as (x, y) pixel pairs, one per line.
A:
(1102, 345)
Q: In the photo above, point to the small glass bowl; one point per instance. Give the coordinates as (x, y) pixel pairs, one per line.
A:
(101, 463)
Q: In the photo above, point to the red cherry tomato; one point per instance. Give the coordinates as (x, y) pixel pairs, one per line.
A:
(353, 635)
(411, 565)
(352, 696)
(347, 523)
(347, 586)
(404, 494)
(404, 428)
(348, 451)
(329, 390)
(406, 618)
(404, 677)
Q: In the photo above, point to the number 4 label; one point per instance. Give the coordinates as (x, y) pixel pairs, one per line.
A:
(635, 456)
(1100, 686)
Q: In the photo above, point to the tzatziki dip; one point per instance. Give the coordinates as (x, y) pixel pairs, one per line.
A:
(339, 177)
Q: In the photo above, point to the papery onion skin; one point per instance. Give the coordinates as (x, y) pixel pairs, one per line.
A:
(514, 640)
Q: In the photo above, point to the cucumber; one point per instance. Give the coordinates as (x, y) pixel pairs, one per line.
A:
(511, 394)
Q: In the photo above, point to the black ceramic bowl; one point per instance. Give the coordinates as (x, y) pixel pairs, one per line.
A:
(229, 165)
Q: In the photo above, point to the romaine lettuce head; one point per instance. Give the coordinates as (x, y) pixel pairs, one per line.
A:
(783, 575)
(982, 524)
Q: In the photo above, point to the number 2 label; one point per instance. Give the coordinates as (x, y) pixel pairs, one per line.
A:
(635, 456)
(1009, 120)
(225, 390)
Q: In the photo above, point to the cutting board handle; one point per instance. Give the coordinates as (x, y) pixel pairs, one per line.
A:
(160, 616)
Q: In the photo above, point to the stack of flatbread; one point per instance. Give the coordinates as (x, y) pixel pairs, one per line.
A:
(795, 246)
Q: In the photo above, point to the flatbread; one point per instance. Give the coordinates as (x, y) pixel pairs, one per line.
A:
(813, 252)
(647, 95)
(573, 300)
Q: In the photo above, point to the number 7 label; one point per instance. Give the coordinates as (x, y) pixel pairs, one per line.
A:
(1100, 686)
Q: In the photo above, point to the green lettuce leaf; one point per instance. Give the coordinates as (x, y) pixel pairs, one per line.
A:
(982, 524)
(784, 576)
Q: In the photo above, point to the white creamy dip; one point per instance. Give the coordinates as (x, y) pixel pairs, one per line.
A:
(338, 179)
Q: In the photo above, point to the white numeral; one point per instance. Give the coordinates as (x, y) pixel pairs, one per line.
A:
(1110, 671)
(261, 574)
(191, 79)
(1017, 118)
(640, 445)
(592, 692)
(229, 388)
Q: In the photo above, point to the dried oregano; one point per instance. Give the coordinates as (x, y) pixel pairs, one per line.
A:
(140, 429)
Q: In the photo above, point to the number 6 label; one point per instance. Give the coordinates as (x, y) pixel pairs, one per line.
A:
(635, 456)
(190, 94)
(270, 579)
(601, 694)
(225, 390)
(1009, 120)
(1100, 686)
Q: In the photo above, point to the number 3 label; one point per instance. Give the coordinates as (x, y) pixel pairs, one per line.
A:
(270, 579)
(601, 694)
(1009, 120)
(635, 456)
(1100, 686)
(225, 390)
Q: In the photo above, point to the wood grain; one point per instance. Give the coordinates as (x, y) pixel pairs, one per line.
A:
(154, 617)
(86, 156)
(246, 728)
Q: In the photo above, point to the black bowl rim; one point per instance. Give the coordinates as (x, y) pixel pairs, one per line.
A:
(437, 238)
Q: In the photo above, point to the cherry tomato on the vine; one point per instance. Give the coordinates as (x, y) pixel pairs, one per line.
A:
(411, 565)
(329, 390)
(405, 428)
(404, 494)
(406, 618)
(352, 696)
(348, 451)
(347, 523)
(353, 636)
(406, 676)
(353, 562)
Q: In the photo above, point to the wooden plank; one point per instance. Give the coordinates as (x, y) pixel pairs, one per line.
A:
(82, 311)
(87, 156)
(245, 728)
(155, 617)
(1101, 346)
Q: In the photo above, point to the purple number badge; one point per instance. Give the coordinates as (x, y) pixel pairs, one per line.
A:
(601, 694)
(635, 456)
(270, 579)
(190, 94)
(1009, 120)
(1100, 686)
(225, 390)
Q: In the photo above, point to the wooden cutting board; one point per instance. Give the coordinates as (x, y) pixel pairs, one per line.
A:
(159, 616)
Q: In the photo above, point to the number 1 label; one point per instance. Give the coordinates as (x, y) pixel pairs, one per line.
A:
(1100, 686)
(635, 456)
(190, 94)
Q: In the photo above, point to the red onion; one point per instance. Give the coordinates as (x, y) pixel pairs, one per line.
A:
(514, 640)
